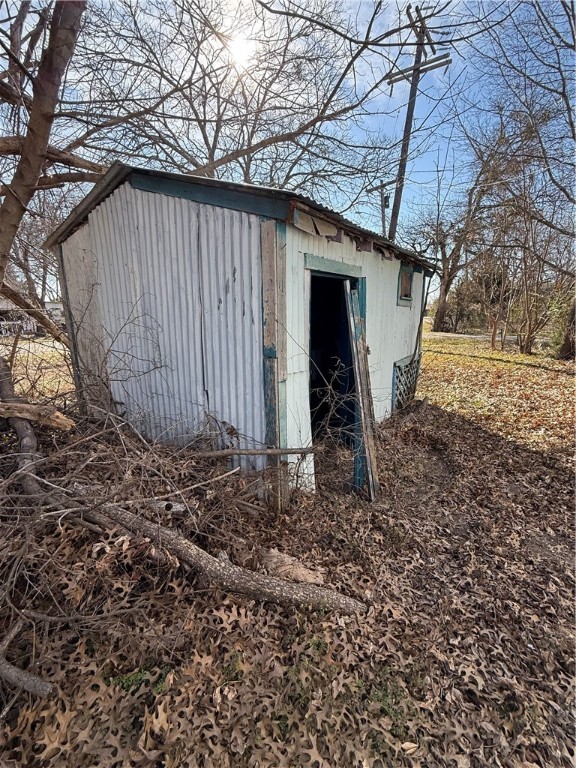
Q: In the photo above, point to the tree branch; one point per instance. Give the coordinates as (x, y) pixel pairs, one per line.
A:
(223, 574)
(64, 30)
(17, 677)
(35, 312)
(14, 145)
(60, 179)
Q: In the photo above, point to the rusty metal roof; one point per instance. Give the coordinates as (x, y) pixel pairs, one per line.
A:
(119, 173)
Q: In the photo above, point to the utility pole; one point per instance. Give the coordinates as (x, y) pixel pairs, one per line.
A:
(384, 200)
(384, 203)
(417, 69)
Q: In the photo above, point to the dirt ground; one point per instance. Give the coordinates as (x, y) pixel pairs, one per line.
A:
(465, 658)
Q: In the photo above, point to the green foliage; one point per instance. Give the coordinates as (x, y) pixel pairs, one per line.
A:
(283, 726)
(232, 672)
(145, 675)
(318, 644)
(385, 689)
(160, 686)
(131, 681)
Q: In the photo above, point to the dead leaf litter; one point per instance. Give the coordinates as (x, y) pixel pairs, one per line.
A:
(464, 660)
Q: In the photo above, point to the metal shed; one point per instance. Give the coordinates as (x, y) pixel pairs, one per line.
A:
(198, 306)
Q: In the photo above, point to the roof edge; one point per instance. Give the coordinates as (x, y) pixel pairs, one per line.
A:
(114, 176)
(119, 172)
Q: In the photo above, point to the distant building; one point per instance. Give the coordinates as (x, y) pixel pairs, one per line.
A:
(55, 310)
(13, 320)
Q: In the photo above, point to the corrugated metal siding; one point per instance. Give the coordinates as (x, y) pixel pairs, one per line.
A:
(180, 303)
(128, 331)
(231, 291)
(81, 274)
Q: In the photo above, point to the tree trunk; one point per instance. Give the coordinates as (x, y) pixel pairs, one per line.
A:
(526, 342)
(439, 323)
(64, 30)
(567, 349)
(494, 322)
(28, 453)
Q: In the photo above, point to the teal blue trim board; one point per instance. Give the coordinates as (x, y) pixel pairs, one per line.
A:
(224, 198)
(332, 267)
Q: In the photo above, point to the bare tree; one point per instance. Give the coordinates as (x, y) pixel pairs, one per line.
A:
(241, 93)
(496, 272)
(283, 94)
(528, 70)
(187, 85)
(566, 350)
(32, 265)
(455, 231)
(44, 81)
(516, 122)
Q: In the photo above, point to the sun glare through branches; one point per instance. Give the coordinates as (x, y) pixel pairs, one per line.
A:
(242, 50)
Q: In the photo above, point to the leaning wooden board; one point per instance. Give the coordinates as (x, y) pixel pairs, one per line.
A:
(366, 452)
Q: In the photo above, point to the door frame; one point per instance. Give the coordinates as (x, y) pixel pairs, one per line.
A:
(354, 282)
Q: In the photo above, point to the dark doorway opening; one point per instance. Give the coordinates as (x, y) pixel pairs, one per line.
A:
(332, 382)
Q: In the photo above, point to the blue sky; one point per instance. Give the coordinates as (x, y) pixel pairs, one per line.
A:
(430, 148)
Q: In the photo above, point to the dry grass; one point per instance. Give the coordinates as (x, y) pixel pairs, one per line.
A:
(525, 398)
(41, 369)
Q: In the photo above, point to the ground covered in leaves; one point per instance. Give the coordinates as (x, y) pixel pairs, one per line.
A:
(524, 398)
(465, 658)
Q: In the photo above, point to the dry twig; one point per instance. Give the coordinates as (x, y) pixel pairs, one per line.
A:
(20, 677)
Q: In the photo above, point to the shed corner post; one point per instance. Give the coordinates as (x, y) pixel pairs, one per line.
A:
(272, 239)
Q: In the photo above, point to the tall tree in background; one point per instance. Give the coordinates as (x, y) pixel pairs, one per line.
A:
(530, 63)
(452, 235)
(529, 70)
(518, 124)
(211, 89)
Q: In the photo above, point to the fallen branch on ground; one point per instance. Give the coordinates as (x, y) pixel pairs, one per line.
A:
(226, 452)
(43, 414)
(163, 543)
(226, 575)
(20, 677)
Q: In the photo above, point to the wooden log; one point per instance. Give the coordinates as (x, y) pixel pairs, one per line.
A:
(42, 414)
(17, 677)
(224, 574)
(227, 452)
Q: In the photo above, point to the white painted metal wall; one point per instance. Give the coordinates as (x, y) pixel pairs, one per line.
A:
(82, 289)
(391, 330)
(168, 292)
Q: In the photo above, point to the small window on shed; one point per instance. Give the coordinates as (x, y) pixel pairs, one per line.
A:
(405, 279)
